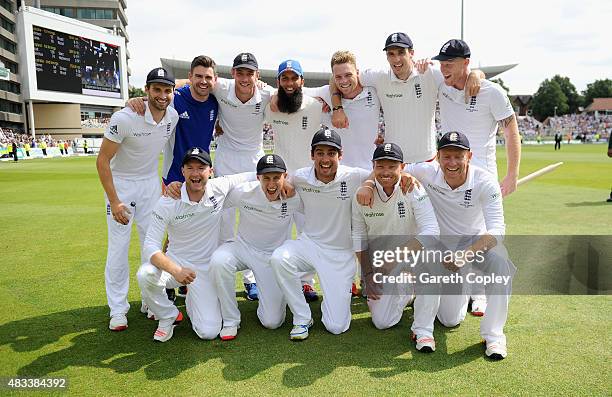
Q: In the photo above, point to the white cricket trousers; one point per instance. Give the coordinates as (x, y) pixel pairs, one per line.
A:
(201, 302)
(336, 269)
(452, 309)
(230, 162)
(236, 256)
(388, 309)
(140, 196)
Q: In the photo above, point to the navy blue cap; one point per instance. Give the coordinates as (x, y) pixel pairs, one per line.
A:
(245, 60)
(455, 139)
(453, 49)
(160, 75)
(398, 39)
(388, 151)
(197, 153)
(327, 137)
(271, 163)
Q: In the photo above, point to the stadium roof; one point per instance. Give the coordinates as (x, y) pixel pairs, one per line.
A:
(180, 70)
(600, 105)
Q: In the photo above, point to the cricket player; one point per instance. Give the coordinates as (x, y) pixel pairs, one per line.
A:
(192, 224)
(468, 204)
(478, 120)
(394, 215)
(326, 189)
(265, 222)
(127, 167)
(359, 103)
(298, 118)
(407, 97)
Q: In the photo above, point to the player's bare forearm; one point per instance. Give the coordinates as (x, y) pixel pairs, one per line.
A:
(513, 152)
(483, 244)
(107, 152)
(182, 274)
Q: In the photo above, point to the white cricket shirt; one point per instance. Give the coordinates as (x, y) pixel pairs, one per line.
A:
(327, 206)
(140, 140)
(242, 123)
(476, 119)
(264, 225)
(363, 113)
(193, 228)
(408, 215)
(473, 208)
(409, 107)
(293, 132)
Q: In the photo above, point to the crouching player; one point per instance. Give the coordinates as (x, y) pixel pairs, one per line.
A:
(192, 223)
(265, 223)
(394, 218)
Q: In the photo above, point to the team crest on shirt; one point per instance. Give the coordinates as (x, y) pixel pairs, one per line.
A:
(343, 191)
(284, 212)
(369, 99)
(257, 108)
(113, 130)
(418, 90)
(215, 203)
(304, 122)
(467, 199)
(212, 115)
(401, 209)
(108, 209)
(472, 105)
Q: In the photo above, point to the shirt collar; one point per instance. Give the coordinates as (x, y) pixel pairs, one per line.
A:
(231, 95)
(395, 79)
(148, 116)
(312, 179)
(441, 182)
(185, 196)
(381, 190)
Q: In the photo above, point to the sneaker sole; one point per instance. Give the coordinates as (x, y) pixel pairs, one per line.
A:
(119, 328)
(496, 357)
(477, 314)
(229, 337)
(426, 349)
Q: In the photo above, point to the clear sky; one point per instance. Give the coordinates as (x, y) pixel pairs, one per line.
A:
(570, 38)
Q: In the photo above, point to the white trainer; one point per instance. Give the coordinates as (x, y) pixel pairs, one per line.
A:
(424, 344)
(300, 332)
(496, 351)
(165, 329)
(479, 306)
(228, 333)
(118, 322)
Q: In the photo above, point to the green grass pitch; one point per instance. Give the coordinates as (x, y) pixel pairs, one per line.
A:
(54, 315)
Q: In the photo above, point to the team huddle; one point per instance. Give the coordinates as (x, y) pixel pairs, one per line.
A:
(332, 176)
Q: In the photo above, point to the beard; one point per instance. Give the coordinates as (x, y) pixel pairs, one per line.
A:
(289, 103)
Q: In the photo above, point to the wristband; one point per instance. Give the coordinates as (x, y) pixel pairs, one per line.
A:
(337, 108)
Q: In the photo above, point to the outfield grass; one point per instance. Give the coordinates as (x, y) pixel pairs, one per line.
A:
(54, 315)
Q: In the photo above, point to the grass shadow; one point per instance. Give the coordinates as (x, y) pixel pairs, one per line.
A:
(80, 338)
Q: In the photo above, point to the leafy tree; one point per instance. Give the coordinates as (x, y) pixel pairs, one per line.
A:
(597, 89)
(549, 96)
(135, 92)
(501, 83)
(574, 100)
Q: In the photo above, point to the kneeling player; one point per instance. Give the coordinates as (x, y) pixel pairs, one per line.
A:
(192, 224)
(392, 218)
(265, 223)
(468, 205)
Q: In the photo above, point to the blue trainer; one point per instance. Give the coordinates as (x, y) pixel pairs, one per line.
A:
(251, 291)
